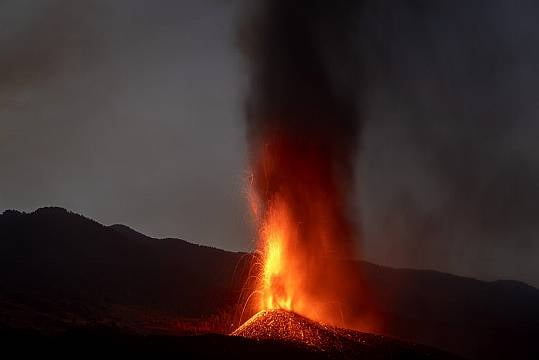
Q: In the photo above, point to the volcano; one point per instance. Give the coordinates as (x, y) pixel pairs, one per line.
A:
(289, 327)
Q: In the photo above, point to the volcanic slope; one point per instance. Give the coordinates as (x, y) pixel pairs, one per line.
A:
(281, 325)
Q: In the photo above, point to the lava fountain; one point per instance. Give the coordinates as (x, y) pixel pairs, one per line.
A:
(305, 236)
(302, 128)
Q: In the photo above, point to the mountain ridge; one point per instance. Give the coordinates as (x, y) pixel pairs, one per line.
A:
(59, 268)
(132, 233)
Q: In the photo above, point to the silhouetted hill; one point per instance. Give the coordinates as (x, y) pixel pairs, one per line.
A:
(53, 254)
(467, 316)
(59, 269)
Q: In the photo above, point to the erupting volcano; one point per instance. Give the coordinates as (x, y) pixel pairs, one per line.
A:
(303, 125)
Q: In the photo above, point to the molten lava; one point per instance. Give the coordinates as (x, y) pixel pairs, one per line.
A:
(305, 236)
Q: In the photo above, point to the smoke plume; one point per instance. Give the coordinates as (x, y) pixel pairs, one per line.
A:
(303, 128)
(304, 81)
(304, 72)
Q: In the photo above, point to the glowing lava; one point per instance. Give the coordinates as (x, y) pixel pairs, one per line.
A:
(276, 233)
(305, 236)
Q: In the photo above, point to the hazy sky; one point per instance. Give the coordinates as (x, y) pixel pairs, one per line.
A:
(131, 112)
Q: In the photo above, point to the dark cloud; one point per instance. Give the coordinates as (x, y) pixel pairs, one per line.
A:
(456, 89)
(39, 39)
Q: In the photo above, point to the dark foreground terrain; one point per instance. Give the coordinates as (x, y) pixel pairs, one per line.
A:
(104, 342)
(99, 342)
(60, 271)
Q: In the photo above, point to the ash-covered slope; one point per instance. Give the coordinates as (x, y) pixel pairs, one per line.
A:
(281, 325)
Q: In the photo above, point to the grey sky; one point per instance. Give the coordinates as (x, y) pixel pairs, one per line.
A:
(131, 112)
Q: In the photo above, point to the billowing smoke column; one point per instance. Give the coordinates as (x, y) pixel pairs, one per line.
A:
(303, 65)
(303, 129)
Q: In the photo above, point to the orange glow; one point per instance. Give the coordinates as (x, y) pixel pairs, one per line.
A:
(277, 286)
(305, 238)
